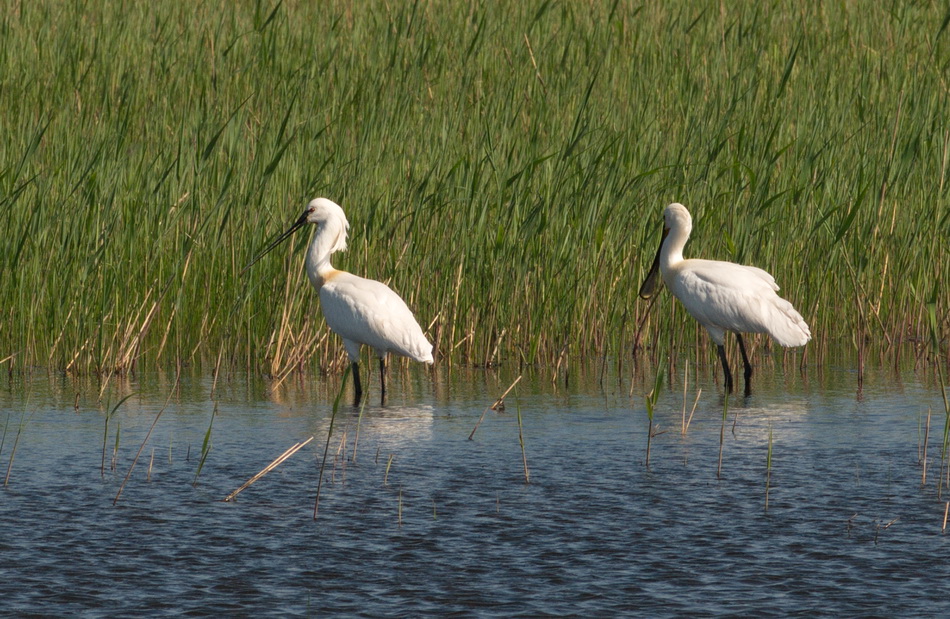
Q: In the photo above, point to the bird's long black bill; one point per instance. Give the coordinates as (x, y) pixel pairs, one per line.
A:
(650, 283)
(300, 221)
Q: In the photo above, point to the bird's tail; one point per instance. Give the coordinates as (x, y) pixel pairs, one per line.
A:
(787, 326)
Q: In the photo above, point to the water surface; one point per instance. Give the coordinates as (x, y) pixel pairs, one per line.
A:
(417, 519)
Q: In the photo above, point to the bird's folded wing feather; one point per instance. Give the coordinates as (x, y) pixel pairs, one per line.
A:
(369, 312)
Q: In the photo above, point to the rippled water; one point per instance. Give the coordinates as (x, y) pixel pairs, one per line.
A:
(451, 526)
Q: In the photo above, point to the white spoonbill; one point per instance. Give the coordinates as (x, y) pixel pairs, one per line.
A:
(359, 310)
(722, 296)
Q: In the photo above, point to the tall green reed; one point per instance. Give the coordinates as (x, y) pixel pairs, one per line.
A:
(503, 166)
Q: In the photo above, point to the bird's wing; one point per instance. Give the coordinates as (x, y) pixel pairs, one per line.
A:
(721, 273)
(724, 296)
(369, 312)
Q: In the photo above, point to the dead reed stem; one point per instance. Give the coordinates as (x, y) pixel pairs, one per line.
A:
(270, 467)
(499, 402)
(690, 418)
(389, 463)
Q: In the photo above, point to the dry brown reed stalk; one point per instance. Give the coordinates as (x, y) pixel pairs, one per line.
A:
(537, 72)
(946, 512)
(148, 434)
(389, 463)
(499, 404)
(693, 410)
(301, 352)
(270, 467)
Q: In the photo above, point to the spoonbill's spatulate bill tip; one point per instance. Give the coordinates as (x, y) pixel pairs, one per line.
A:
(722, 296)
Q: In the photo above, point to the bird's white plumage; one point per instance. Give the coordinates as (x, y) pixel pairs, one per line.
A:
(723, 296)
(359, 310)
(364, 311)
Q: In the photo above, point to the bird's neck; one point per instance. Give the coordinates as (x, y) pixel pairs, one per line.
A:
(326, 240)
(672, 253)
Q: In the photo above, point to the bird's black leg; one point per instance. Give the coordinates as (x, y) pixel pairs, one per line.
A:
(358, 388)
(748, 366)
(382, 380)
(725, 368)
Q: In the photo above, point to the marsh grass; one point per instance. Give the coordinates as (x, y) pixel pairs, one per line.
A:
(503, 167)
(339, 458)
(650, 399)
(148, 434)
(105, 436)
(359, 422)
(524, 453)
(326, 447)
(24, 420)
(399, 509)
(923, 454)
(3, 439)
(205, 445)
(722, 432)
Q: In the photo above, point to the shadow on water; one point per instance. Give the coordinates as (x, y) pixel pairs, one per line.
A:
(423, 520)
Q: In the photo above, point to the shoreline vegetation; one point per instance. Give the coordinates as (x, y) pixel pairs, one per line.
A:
(504, 167)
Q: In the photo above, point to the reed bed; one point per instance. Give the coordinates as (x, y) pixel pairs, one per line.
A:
(503, 167)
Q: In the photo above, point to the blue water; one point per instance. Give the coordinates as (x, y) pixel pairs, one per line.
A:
(420, 520)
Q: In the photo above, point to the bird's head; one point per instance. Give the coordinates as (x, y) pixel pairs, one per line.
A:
(328, 216)
(676, 217)
(330, 220)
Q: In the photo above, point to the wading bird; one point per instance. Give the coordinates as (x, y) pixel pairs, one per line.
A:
(359, 310)
(722, 296)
